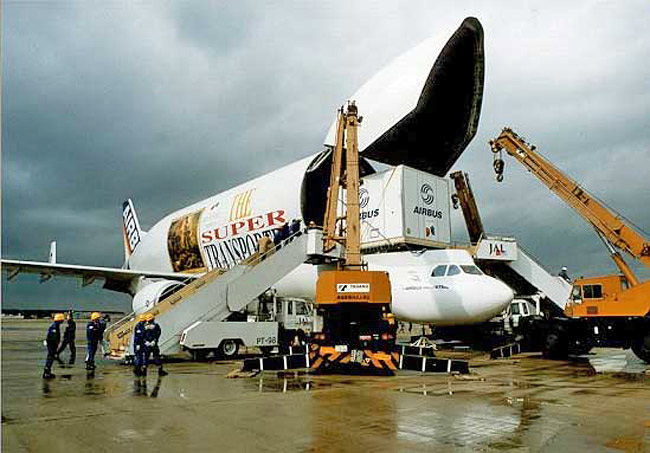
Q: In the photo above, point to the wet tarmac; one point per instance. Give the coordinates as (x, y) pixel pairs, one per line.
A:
(521, 404)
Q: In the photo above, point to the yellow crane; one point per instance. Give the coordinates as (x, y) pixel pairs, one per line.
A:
(610, 309)
(357, 330)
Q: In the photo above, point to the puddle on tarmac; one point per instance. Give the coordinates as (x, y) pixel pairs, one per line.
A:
(141, 387)
(621, 362)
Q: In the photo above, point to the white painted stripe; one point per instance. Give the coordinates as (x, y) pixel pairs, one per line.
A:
(284, 359)
(307, 359)
(261, 364)
(401, 358)
(448, 365)
(424, 364)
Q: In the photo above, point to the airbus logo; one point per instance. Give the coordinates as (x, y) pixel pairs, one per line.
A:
(426, 192)
(364, 198)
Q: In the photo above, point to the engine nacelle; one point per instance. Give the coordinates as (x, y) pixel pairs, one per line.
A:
(148, 296)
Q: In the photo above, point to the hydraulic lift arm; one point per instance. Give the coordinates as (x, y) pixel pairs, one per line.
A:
(465, 197)
(609, 225)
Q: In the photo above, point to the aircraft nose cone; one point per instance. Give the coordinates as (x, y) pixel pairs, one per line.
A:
(501, 295)
(504, 294)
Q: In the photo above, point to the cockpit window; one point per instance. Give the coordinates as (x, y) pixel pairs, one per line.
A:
(453, 270)
(469, 269)
(439, 271)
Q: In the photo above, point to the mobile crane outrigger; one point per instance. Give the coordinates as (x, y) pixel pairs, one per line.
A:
(611, 310)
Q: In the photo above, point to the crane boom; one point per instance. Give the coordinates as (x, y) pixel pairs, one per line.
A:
(609, 310)
(607, 223)
(468, 205)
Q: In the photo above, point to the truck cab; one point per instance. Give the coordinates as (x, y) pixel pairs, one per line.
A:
(518, 309)
(588, 294)
(294, 314)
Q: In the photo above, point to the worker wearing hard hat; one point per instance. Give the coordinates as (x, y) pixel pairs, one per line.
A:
(138, 346)
(68, 338)
(52, 343)
(563, 273)
(94, 334)
(145, 341)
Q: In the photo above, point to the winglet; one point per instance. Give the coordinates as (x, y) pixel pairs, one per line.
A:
(130, 228)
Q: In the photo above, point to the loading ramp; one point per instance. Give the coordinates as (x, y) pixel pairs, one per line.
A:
(217, 294)
(507, 260)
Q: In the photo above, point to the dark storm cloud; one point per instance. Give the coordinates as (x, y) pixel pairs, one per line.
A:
(171, 102)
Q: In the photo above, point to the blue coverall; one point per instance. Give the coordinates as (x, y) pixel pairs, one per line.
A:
(52, 341)
(68, 340)
(94, 334)
(145, 342)
(138, 348)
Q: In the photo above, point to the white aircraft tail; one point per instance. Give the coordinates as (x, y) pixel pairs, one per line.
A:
(130, 228)
(52, 257)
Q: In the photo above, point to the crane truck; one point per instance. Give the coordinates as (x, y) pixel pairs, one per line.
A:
(358, 330)
(610, 310)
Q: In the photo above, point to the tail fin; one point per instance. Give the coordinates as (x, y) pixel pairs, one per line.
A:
(130, 228)
(52, 257)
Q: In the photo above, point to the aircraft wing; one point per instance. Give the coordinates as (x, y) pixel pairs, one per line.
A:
(114, 278)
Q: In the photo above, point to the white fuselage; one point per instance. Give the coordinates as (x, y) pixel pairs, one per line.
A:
(416, 295)
(225, 228)
(418, 95)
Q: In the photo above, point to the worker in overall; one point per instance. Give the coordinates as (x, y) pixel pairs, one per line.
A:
(138, 345)
(294, 228)
(104, 344)
(69, 335)
(563, 273)
(52, 343)
(146, 340)
(94, 334)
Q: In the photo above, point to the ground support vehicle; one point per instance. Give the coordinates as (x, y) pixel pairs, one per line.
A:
(219, 296)
(225, 338)
(274, 324)
(612, 310)
(358, 331)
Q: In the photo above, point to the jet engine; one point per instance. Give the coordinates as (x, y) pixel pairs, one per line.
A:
(148, 296)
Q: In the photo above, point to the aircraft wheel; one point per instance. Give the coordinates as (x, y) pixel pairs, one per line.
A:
(228, 349)
(641, 348)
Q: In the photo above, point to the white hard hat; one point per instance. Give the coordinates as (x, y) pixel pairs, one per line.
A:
(563, 268)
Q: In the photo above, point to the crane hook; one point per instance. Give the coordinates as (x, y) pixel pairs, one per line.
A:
(498, 164)
(454, 201)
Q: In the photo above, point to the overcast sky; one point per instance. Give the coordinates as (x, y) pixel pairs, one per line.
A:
(171, 102)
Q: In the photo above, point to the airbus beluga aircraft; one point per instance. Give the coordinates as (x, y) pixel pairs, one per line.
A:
(421, 111)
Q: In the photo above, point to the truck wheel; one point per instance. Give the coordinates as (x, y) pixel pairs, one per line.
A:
(555, 346)
(641, 348)
(228, 349)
